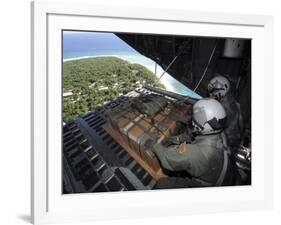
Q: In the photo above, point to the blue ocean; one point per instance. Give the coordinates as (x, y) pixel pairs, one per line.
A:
(78, 45)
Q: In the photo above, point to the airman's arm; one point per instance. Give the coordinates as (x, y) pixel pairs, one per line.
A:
(174, 158)
(180, 118)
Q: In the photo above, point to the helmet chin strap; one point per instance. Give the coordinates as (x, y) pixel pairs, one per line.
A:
(216, 96)
(198, 131)
(219, 96)
(212, 132)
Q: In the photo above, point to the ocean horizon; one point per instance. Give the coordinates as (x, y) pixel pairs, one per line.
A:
(92, 44)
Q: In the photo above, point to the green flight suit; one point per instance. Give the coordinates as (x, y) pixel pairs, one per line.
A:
(203, 159)
(234, 121)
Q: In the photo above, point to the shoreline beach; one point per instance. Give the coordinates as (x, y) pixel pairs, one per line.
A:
(167, 80)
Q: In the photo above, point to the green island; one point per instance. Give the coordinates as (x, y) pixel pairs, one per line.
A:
(91, 83)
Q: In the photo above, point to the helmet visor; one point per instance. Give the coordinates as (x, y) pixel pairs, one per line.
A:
(214, 87)
(199, 116)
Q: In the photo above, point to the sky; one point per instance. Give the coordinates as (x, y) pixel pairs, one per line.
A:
(77, 44)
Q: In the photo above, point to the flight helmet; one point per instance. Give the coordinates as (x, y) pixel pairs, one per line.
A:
(218, 87)
(208, 116)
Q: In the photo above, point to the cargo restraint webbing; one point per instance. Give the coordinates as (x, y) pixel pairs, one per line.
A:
(132, 122)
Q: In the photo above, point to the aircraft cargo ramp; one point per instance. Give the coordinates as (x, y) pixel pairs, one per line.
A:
(94, 160)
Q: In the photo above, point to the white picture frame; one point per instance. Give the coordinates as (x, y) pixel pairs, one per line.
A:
(48, 205)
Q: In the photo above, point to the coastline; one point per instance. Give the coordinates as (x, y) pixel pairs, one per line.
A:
(88, 56)
(167, 80)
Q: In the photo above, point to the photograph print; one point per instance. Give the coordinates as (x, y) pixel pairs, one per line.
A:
(151, 111)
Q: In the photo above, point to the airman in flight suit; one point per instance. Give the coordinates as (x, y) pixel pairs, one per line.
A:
(219, 89)
(205, 159)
